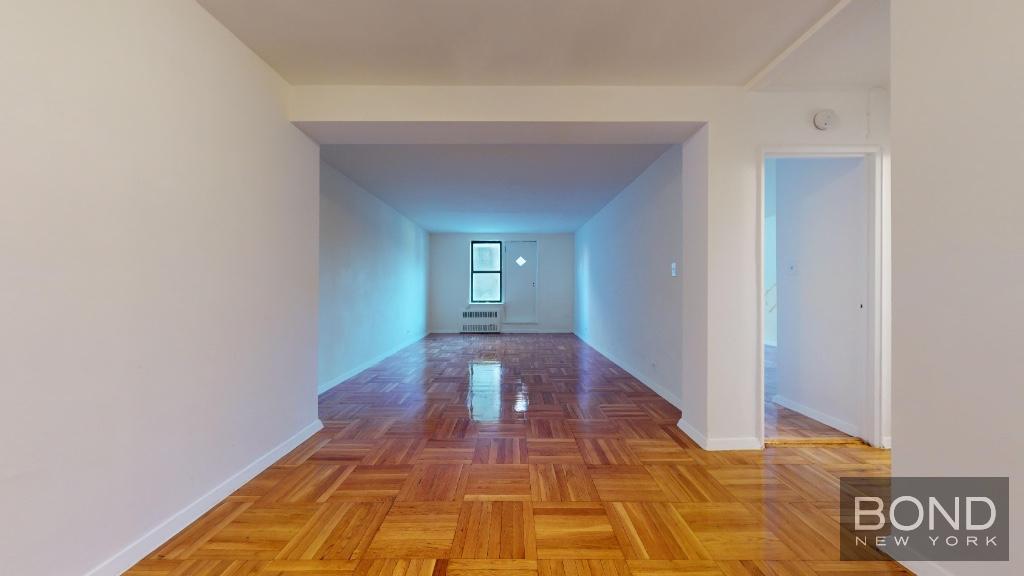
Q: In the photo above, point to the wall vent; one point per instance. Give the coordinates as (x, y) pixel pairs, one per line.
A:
(481, 320)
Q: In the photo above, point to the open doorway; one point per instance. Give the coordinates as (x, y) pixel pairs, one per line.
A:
(822, 298)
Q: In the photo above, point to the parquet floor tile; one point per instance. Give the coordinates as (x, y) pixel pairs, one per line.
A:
(394, 451)
(495, 530)
(606, 451)
(804, 528)
(416, 530)
(562, 483)
(306, 484)
(593, 567)
(498, 482)
(654, 531)
(501, 451)
(372, 483)
(435, 483)
(401, 567)
(490, 567)
(834, 568)
(733, 532)
(753, 484)
(689, 483)
(344, 451)
(520, 455)
(658, 451)
(308, 568)
(447, 452)
(184, 544)
(674, 568)
(764, 568)
(547, 451)
(549, 428)
(258, 532)
(574, 530)
(199, 567)
(626, 484)
(337, 531)
(642, 430)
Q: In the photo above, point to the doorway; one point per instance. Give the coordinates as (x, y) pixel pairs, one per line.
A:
(520, 263)
(821, 298)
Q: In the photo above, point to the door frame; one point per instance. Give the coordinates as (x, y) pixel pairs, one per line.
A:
(876, 421)
(536, 280)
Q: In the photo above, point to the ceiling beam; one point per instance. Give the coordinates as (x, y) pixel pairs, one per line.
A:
(758, 79)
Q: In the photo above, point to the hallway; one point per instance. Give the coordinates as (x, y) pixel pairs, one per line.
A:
(519, 455)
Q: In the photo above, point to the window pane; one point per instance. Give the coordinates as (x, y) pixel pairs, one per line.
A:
(486, 287)
(487, 257)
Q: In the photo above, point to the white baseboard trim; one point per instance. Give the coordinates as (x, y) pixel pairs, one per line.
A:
(694, 434)
(841, 425)
(887, 442)
(332, 382)
(718, 444)
(506, 329)
(736, 443)
(661, 391)
(151, 540)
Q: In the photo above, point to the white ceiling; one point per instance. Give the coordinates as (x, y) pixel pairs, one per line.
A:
(524, 42)
(494, 188)
(850, 51)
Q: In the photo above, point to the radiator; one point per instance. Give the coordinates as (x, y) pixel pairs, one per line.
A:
(481, 320)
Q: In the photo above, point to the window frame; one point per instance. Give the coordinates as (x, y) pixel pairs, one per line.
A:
(500, 272)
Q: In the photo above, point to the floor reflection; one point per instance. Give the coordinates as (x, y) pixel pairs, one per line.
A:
(489, 399)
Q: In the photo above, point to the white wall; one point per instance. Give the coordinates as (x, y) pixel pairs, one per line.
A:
(449, 280)
(740, 125)
(158, 279)
(373, 279)
(822, 250)
(958, 141)
(629, 306)
(693, 270)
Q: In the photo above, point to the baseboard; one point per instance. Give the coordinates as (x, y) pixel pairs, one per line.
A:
(150, 541)
(886, 442)
(506, 329)
(718, 444)
(694, 434)
(331, 383)
(841, 425)
(735, 443)
(661, 391)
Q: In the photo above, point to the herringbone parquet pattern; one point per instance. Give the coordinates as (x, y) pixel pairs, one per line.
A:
(520, 455)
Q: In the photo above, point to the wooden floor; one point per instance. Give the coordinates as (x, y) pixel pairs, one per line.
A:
(783, 426)
(520, 455)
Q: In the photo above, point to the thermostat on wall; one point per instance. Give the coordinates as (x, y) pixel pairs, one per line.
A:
(825, 119)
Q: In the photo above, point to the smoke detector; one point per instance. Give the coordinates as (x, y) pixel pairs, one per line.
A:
(825, 119)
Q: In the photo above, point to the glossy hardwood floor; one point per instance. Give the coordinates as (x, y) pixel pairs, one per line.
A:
(520, 455)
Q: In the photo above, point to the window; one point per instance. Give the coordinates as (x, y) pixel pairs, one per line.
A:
(486, 272)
